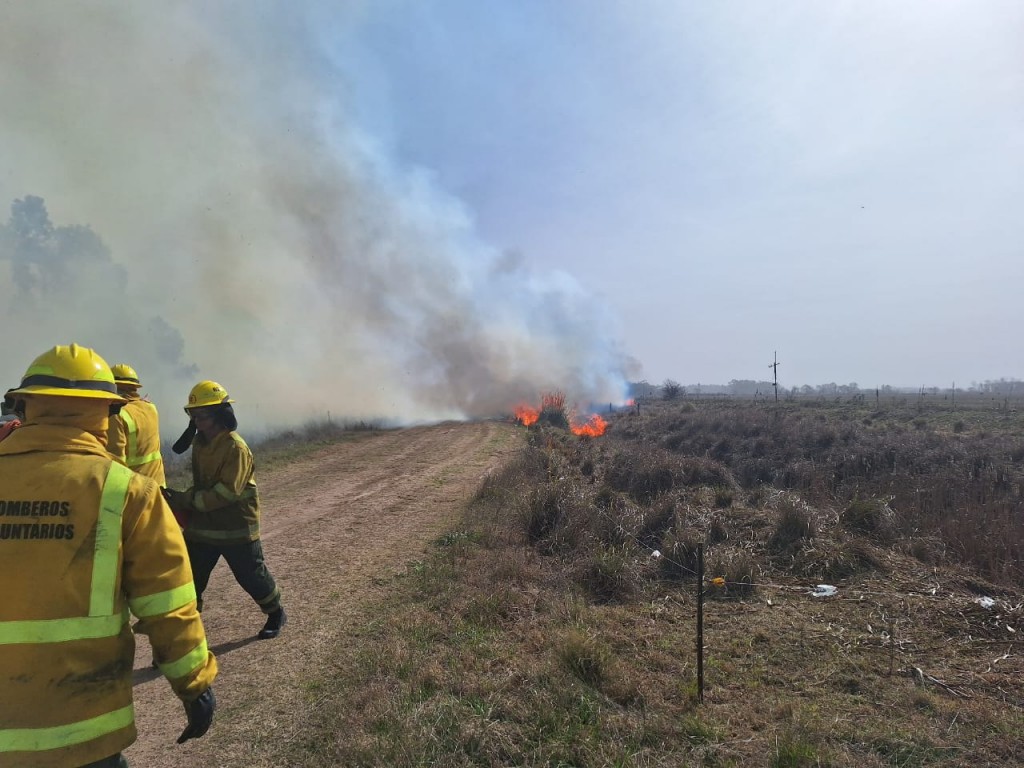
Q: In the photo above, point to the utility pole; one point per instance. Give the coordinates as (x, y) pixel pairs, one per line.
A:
(775, 372)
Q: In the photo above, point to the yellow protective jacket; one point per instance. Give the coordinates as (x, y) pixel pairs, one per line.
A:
(134, 438)
(224, 501)
(83, 540)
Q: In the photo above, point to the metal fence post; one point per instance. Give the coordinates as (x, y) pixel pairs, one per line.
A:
(700, 623)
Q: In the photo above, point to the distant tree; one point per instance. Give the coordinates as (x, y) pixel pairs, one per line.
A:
(671, 389)
(642, 389)
(48, 260)
(748, 386)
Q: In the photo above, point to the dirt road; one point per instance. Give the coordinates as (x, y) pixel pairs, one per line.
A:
(335, 524)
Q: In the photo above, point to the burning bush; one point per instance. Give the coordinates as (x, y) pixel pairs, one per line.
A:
(526, 415)
(554, 412)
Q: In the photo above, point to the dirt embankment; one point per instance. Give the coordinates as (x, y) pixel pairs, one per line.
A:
(336, 523)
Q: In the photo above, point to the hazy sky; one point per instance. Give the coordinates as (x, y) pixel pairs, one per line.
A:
(433, 208)
(838, 181)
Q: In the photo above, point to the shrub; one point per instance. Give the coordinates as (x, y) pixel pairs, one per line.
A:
(834, 561)
(717, 532)
(679, 555)
(723, 497)
(606, 576)
(869, 516)
(696, 732)
(722, 450)
(553, 411)
(654, 523)
(642, 477)
(792, 750)
(758, 496)
(792, 527)
(585, 657)
(739, 571)
(543, 513)
(670, 390)
(605, 497)
(930, 550)
(698, 471)
(528, 468)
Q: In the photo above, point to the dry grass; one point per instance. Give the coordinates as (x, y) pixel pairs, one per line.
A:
(275, 449)
(546, 632)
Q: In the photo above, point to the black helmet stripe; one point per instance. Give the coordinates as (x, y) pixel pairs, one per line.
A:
(43, 380)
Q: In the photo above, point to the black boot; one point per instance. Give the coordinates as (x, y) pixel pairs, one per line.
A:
(272, 628)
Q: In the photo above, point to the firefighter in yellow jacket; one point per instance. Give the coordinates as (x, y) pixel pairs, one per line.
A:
(134, 435)
(223, 505)
(83, 541)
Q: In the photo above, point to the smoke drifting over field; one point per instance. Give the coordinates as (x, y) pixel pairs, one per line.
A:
(209, 211)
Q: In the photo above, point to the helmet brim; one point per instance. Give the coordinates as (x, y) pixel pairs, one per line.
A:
(87, 394)
(208, 405)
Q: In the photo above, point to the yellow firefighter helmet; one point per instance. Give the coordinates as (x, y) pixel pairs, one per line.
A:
(70, 371)
(207, 393)
(125, 375)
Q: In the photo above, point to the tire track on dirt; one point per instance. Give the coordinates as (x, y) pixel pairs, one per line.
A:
(336, 524)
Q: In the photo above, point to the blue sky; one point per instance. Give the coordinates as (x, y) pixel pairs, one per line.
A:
(436, 209)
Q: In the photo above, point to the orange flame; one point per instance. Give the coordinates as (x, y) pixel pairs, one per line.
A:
(526, 415)
(595, 427)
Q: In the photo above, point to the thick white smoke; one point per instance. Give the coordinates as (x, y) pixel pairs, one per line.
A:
(244, 229)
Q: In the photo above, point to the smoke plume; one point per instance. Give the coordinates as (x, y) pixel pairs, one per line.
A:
(190, 195)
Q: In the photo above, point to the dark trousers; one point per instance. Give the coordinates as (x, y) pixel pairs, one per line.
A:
(114, 761)
(246, 563)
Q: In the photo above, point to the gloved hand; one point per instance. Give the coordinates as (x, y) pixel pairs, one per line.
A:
(200, 715)
(179, 500)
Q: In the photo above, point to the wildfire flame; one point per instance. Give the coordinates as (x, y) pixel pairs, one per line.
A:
(595, 427)
(526, 415)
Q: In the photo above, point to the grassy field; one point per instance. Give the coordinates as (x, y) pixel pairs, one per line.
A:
(556, 626)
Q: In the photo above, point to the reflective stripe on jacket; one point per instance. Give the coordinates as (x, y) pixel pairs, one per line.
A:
(82, 541)
(225, 502)
(134, 438)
